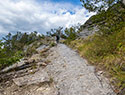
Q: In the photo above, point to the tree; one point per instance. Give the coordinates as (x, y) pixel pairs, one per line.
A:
(2, 49)
(54, 32)
(71, 33)
(7, 42)
(99, 5)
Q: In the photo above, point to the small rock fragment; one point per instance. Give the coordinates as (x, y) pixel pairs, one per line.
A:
(41, 64)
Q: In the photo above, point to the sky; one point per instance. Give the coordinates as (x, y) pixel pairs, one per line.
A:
(40, 15)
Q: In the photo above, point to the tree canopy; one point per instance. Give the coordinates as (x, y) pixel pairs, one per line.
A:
(98, 5)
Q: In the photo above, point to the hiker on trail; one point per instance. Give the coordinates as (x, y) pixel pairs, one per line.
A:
(57, 38)
(58, 34)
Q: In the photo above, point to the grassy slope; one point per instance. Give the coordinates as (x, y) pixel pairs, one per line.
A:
(106, 49)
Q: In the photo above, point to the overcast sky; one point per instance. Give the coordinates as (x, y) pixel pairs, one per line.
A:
(40, 15)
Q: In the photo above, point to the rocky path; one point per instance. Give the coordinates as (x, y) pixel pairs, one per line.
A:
(66, 74)
(73, 76)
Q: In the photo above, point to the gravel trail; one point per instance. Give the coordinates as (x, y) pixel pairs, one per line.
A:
(73, 76)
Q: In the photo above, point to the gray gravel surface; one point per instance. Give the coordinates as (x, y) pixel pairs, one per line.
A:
(73, 76)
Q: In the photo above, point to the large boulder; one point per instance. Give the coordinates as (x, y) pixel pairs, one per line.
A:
(39, 77)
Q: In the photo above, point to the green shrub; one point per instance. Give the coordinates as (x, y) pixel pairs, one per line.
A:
(70, 34)
(7, 61)
(52, 44)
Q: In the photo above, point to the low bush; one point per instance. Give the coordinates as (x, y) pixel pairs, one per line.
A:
(52, 44)
(7, 61)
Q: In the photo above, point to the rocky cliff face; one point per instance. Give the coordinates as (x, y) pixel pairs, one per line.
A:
(87, 31)
(88, 28)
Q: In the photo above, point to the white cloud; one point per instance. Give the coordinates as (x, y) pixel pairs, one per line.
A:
(2, 30)
(30, 15)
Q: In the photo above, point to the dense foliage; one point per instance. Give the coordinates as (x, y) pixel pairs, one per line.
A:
(99, 5)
